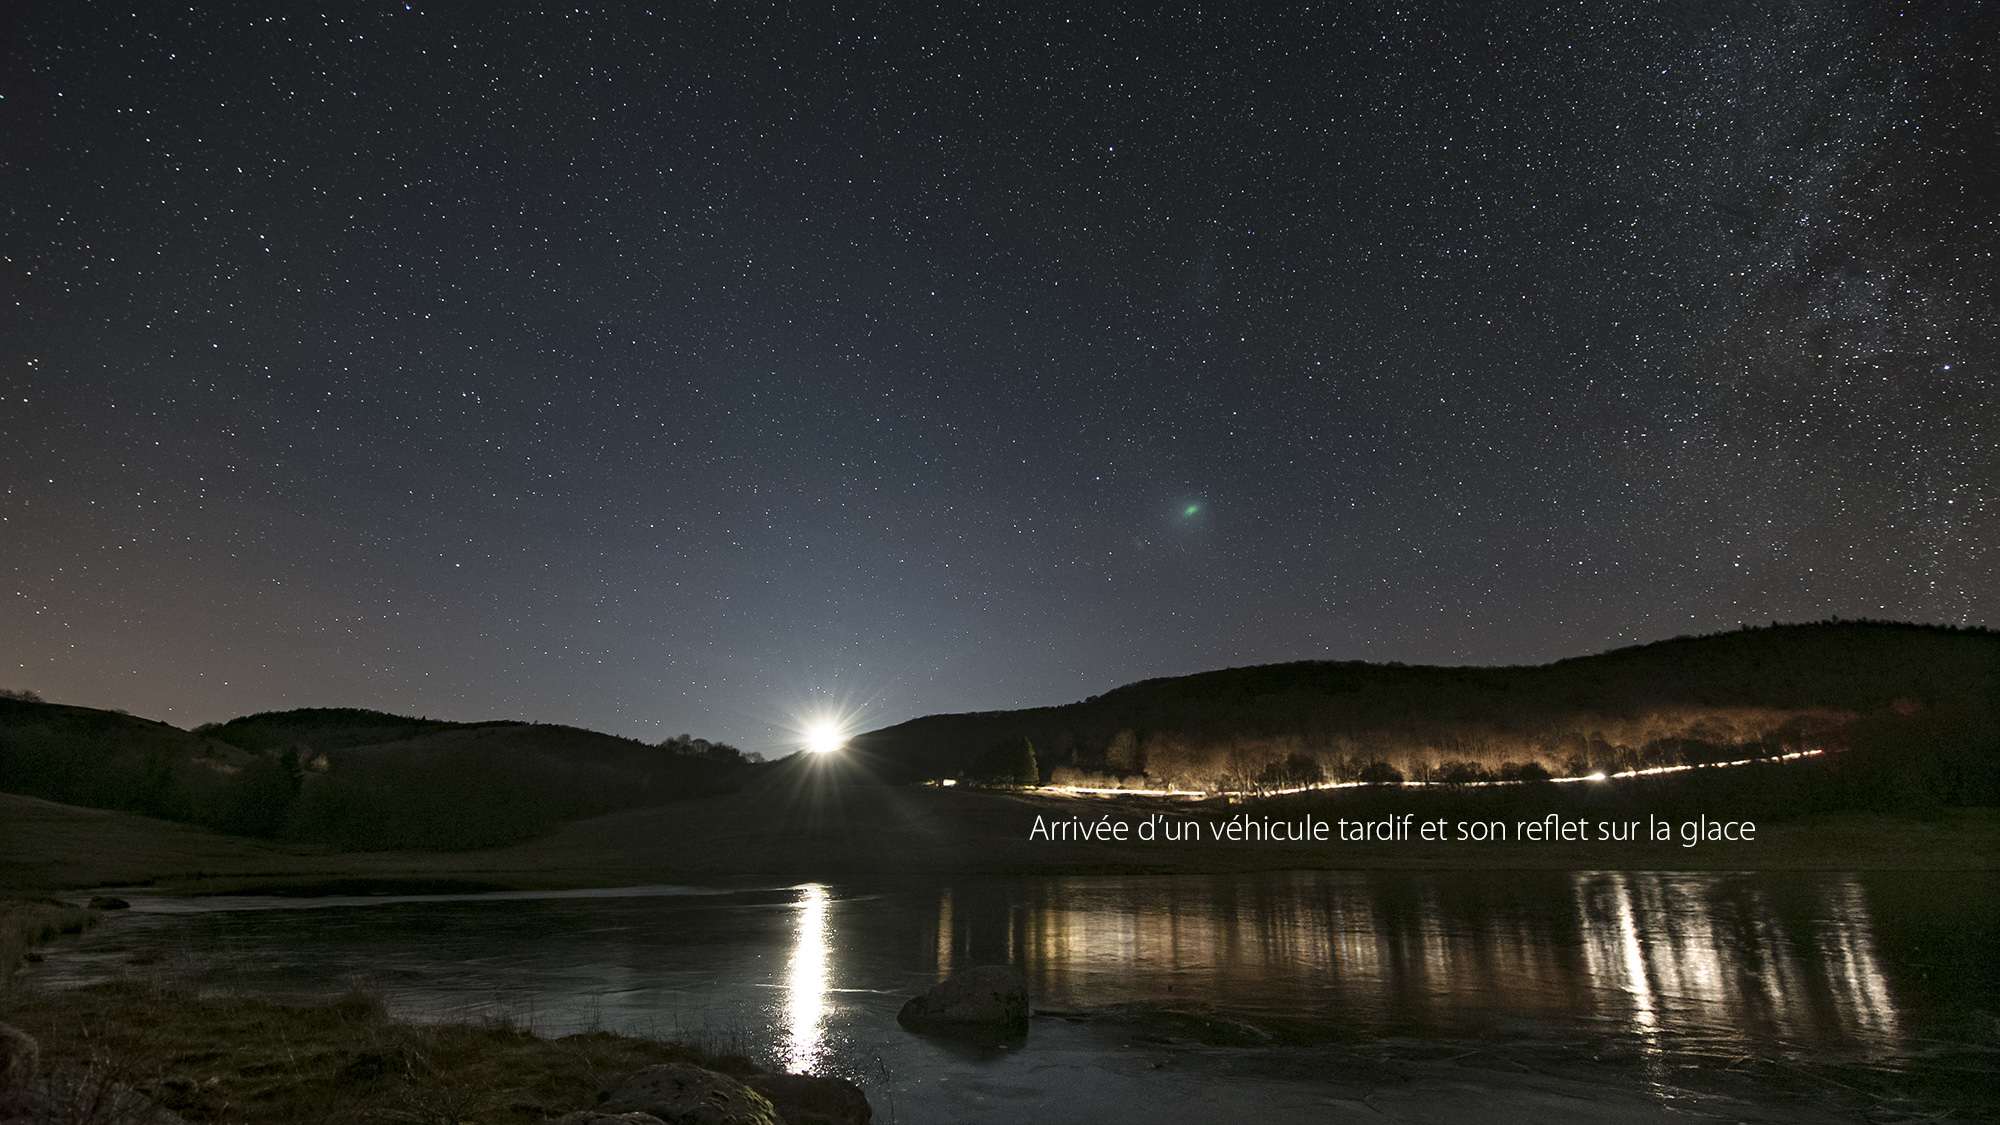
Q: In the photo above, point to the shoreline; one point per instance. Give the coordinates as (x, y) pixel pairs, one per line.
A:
(876, 834)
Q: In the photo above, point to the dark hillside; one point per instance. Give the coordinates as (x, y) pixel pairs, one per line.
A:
(344, 778)
(326, 728)
(1756, 692)
(487, 784)
(1913, 711)
(110, 760)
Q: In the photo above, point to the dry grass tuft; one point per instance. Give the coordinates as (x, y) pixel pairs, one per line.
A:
(25, 923)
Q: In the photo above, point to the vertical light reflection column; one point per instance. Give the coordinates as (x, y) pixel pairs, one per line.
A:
(945, 934)
(1854, 969)
(1613, 949)
(806, 996)
(1637, 976)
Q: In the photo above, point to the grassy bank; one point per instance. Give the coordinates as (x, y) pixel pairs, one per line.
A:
(234, 1058)
(26, 923)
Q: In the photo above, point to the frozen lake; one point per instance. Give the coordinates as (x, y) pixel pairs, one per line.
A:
(1158, 991)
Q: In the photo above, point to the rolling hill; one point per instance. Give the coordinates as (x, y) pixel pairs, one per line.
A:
(1912, 714)
(1891, 689)
(345, 778)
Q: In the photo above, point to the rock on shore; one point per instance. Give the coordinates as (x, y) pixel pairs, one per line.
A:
(807, 1100)
(690, 1095)
(680, 1094)
(988, 998)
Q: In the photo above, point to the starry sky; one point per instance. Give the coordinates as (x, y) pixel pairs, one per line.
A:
(705, 367)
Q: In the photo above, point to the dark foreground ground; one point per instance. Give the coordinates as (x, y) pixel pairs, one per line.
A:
(113, 1054)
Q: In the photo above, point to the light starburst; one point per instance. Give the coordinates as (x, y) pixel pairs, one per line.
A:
(824, 736)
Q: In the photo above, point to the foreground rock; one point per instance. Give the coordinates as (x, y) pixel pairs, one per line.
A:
(595, 1117)
(990, 998)
(680, 1094)
(805, 1100)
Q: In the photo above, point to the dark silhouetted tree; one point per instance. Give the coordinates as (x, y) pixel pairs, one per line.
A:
(1296, 771)
(1381, 773)
(1009, 762)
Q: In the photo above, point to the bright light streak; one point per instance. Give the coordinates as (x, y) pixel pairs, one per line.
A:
(1600, 775)
(1190, 793)
(806, 994)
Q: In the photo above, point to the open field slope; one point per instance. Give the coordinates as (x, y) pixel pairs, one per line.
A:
(488, 784)
(108, 759)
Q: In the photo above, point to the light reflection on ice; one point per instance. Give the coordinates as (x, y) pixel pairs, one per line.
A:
(1672, 960)
(1667, 943)
(1701, 954)
(805, 1000)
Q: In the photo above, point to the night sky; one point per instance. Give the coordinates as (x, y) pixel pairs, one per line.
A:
(698, 369)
